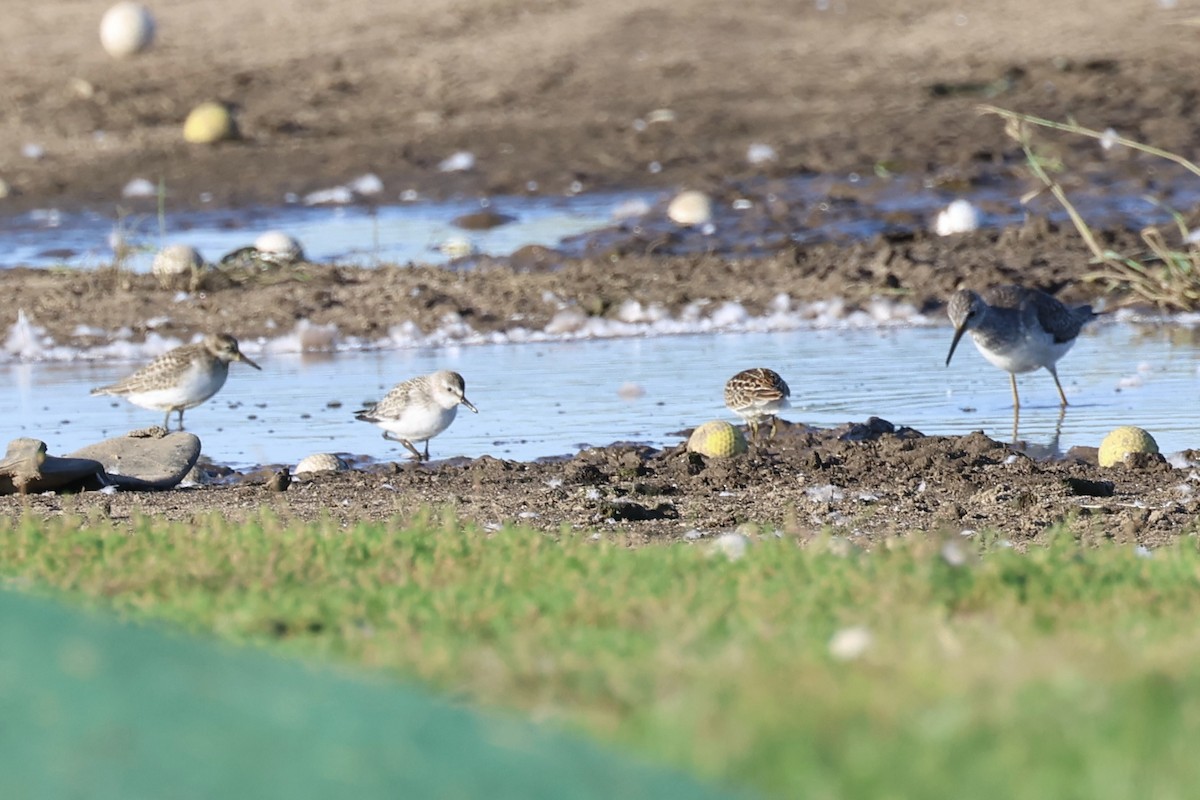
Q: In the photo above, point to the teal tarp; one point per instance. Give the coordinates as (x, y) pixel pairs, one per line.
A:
(94, 708)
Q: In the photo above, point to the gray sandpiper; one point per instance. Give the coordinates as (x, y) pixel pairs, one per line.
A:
(1017, 329)
(419, 409)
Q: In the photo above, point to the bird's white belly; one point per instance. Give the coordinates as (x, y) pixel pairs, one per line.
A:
(757, 409)
(420, 423)
(1031, 352)
(194, 387)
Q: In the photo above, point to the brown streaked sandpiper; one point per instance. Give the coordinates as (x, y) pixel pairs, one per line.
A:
(756, 395)
(181, 378)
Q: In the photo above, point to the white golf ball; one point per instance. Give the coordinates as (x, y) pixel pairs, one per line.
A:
(126, 29)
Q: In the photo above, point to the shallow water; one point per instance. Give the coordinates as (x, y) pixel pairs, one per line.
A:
(350, 234)
(549, 399)
(755, 216)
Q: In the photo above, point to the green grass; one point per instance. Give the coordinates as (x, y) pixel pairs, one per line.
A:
(1062, 672)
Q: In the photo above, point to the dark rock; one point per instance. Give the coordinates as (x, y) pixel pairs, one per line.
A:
(145, 459)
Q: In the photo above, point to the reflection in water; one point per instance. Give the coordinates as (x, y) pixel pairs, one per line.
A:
(553, 398)
(1036, 449)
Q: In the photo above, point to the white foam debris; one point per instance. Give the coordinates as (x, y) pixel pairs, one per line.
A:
(732, 545)
(958, 217)
(759, 153)
(1178, 460)
(827, 493)
(850, 644)
(1108, 139)
(730, 314)
(953, 553)
(457, 247)
(33, 151)
(337, 195)
(631, 209)
(1131, 382)
(139, 187)
(26, 340)
(305, 337)
(462, 161)
(633, 312)
(569, 323)
(46, 217)
(630, 390)
(367, 185)
(569, 320)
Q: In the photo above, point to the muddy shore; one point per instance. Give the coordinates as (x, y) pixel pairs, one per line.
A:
(553, 96)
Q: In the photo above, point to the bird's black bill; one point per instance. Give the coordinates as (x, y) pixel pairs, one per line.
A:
(467, 403)
(242, 358)
(958, 334)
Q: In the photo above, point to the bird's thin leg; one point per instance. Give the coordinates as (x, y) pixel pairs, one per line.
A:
(753, 425)
(407, 444)
(181, 419)
(1016, 425)
(167, 420)
(426, 449)
(1061, 394)
(774, 426)
(1012, 376)
(416, 453)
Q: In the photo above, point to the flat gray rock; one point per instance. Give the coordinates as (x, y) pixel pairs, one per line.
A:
(150, 458)
(26, 469)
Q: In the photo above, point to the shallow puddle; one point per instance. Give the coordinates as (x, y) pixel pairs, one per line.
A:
(751, 217)
(549, 399)
(350, 234)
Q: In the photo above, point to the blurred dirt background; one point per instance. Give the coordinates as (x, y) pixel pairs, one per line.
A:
(551, 93)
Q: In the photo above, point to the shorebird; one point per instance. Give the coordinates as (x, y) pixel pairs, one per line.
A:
(756, 395)
(419, 409)
(181, 378)
(1017, 329)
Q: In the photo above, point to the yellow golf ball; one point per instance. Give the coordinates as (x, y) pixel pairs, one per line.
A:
(208, 123)
(1122, 441)
(717, 439)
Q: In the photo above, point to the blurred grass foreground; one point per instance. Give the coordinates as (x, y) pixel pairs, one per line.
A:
(932, 665)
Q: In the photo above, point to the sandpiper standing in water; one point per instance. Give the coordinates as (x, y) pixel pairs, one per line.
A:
(1017, 329)
(419, 409)
(181, 378)
(756, 395)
